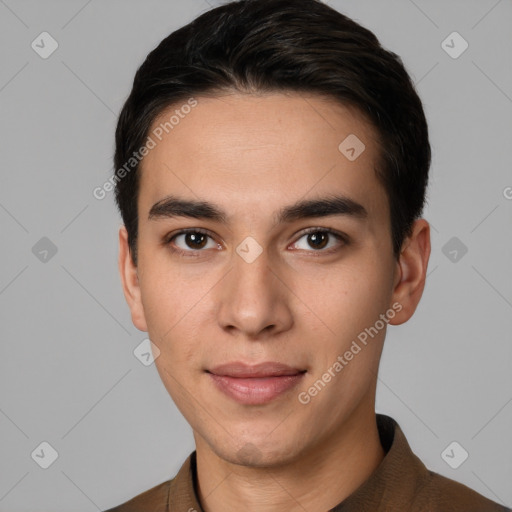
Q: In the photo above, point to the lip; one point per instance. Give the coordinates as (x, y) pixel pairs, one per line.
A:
(255, 384)
(266, 369)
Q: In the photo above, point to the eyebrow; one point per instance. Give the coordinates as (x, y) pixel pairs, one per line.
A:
(172, 206)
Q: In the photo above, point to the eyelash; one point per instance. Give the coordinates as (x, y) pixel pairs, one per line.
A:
(196, 253)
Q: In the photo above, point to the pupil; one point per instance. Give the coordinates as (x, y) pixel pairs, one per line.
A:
(318, 239)
(196, 239)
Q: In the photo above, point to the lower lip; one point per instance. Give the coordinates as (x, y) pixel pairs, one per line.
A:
(255, 391)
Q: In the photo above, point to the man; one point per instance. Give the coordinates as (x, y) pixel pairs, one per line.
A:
(271, 167)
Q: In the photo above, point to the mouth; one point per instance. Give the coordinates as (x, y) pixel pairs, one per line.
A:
(255, 384)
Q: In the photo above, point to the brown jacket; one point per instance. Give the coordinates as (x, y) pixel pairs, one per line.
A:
(400, 483)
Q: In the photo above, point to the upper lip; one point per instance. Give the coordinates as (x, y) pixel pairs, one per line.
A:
(243, 370)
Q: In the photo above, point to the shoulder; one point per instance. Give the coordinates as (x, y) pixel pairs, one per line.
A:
(403, 479)
(153, 500)
(177, 493)
(441, 493)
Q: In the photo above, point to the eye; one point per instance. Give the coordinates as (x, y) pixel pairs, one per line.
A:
(320, 240)
(191, 241)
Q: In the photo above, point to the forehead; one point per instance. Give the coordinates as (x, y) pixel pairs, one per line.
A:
(246, 148)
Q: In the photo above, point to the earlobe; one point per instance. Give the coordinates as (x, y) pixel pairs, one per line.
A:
(411, 271)
(130, 282)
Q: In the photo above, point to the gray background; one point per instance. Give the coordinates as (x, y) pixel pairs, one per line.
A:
(68, 375)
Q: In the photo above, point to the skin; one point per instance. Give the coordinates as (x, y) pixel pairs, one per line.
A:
(297, 304)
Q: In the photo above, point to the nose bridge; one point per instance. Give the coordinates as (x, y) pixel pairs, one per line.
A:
(251, 270)
(252, 298)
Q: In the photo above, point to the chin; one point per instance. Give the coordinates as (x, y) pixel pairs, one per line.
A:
(258, 454)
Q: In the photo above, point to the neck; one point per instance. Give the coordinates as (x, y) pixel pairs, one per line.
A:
(317, 481)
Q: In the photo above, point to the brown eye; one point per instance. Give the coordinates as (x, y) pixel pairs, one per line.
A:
(191, 242)
(195, 240)
(318, 240)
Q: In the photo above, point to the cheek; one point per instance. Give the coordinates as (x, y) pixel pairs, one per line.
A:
(350, 306)
(171, 312)
(347, 298)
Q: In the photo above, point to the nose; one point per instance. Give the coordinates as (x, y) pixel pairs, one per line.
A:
(254, 299)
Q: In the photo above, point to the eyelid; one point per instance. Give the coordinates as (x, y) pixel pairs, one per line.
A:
(183, 231)
(167, 241)
(342, 237)
(319, 229)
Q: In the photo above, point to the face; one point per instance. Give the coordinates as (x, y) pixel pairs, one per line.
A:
(264, 258)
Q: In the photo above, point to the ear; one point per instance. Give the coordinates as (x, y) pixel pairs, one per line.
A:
(130, 281)
(411, 271)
